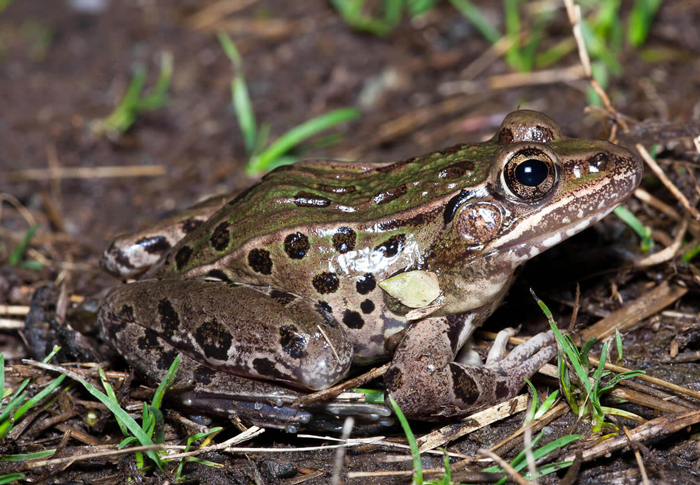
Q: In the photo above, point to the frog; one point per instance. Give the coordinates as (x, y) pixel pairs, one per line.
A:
(326, 266)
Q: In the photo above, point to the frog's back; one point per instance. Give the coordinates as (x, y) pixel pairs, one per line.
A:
(325, 206)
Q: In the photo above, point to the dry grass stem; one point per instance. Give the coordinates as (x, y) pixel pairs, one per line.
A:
(634, 312)
(654, 429)
(19, 207)
(30, 465)
(84, 173)
(336, 390)
(638, 456)
(20, 310)
(514, 475)
(472, 423)
(651, 163)
(667, 253)
(513, 80)
(7, 324)
(213, 13)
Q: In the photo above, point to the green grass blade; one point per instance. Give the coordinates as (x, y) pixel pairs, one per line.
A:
(245, 115)
(124, 114)
(38, 397)
(417, 468)
(166, 383)
(419, 7)
(351, 12)
(372, 396)
(530, 416)
(546, 404)
(21, 248)
(11, 477)
(618, 343)
(640, 20)
(636, 225)
(230, 49)
(158, 97)
(296, 135)
(2, 377)
(128, 421)
(28, 456)
(392, 12)
(472, 13)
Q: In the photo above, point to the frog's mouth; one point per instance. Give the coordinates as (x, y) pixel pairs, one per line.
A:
(521, 251)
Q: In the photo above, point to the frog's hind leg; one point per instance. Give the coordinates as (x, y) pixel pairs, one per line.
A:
(244, 330)
(426, 381)
(131, 255)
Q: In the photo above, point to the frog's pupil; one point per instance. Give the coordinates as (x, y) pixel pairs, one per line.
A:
(531, 172)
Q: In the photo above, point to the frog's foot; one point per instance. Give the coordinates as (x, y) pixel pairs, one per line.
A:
(426, 382)
(130, 255)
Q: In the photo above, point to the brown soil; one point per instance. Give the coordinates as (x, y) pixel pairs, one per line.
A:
(60, 70)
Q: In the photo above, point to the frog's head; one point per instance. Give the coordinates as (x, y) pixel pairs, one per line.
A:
(542, 188)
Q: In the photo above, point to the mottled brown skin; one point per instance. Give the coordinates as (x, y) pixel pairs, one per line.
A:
(282, 282)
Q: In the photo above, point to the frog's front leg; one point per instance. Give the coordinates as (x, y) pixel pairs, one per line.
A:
(226, 327)
(427, 382)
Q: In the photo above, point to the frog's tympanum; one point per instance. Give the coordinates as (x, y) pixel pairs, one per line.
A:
(324, 265)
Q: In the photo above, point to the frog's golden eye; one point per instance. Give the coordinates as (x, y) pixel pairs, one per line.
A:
(530, 174)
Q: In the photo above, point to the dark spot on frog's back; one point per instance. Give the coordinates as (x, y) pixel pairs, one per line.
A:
(306, 199)
(168, 317)
(464, 386)
(367, 306)
(214, 339)
(326, 282)
(353, 319)
(453, 149)
(221, 237)
(396, 167)
(204, 374)
(336, 189)
(292, 342)
(344, 240)
(454, 204)
(282, 297)
(390, 194)
(365, 284)
(457, 170)
(325, 307)
(190, 225)
(154, 245)
(296, 245)
(260, 261)
(182, 257)
(392, 246)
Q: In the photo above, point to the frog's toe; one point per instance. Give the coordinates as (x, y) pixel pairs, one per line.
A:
(524, 360)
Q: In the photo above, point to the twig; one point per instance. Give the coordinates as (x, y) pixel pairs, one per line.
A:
(514, 475)
(651, 163)
(84, 172)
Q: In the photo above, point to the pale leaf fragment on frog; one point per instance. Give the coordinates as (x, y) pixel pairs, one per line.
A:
(415, 289)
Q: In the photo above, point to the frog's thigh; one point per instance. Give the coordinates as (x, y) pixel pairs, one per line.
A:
(425, 381)
(239, 329)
